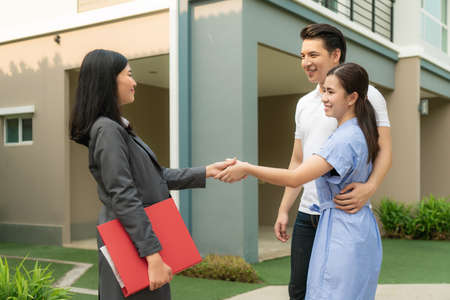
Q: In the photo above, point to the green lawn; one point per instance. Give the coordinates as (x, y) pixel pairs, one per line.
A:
(404, 261)
(186, 288)
(84, 297)
(88, 280)
(58, 270)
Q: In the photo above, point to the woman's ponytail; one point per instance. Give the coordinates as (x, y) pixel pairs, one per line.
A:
(367, 122)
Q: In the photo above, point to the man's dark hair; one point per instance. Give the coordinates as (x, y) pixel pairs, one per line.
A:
(331, 36)
(96, 92)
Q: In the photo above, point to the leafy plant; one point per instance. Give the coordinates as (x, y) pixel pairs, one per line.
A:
(26, 284)
(433, 219)
(429, 219)
(223, 267)
(396, 218)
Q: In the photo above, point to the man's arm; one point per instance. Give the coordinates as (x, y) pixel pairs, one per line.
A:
(289, 196)
(355, 195)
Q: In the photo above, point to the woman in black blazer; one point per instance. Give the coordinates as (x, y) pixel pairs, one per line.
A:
(126, 170)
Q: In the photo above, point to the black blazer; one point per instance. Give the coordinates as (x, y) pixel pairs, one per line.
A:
(130, 178)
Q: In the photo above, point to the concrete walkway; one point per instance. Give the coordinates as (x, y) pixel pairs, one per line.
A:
(384, 292)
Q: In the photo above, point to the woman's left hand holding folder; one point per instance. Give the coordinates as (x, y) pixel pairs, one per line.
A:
(159, 273)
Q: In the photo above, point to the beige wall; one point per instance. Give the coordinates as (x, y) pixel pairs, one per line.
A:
(435, 149)
(275, 142)
(35, 179)
(403, 180)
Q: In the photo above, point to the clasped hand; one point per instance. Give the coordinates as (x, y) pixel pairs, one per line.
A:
(232, 173)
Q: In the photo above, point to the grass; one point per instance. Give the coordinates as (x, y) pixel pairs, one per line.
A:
(404, 261)
(274, 271)
(84, 297)
(407, 261)
(186, 288)
(88, 280)
(58, 270)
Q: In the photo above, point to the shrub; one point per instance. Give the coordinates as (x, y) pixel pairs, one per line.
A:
(26, 285)
(432, 219)
(223, 267)
(396, 218)
(429, 219)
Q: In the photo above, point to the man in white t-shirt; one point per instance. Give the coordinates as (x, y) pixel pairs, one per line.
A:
(323, 48)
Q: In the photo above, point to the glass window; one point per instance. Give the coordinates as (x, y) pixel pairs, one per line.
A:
(432, 31)
(433, 7)
(444, 19)
(12, 130)
(434, 23)
(27, 130)
(18, 130)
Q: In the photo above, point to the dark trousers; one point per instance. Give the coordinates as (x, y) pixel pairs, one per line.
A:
(301, 246)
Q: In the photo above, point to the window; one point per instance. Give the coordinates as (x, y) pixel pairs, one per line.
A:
(435, 23)
(18, 130)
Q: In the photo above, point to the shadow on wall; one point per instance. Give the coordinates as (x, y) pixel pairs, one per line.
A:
(48, 183)
(33, 176)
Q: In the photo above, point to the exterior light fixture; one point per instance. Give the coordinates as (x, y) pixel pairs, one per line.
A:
(57, 39)
(423, 107)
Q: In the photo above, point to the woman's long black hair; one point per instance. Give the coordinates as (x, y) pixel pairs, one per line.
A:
(354, 78)
(96, 93)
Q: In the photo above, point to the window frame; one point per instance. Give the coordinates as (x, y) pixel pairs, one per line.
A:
(425, 13)
(20, 117)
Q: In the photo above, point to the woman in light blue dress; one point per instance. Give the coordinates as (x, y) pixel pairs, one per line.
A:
(346, 257)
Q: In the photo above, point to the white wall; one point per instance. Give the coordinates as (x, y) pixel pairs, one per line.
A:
(25, 18)
(19, 13)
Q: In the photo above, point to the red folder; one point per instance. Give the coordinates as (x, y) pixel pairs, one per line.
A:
(178, 249)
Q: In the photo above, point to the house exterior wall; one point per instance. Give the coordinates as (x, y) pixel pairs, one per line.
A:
(403, 180)
(32, 71)
(222, 126)
(435, 149)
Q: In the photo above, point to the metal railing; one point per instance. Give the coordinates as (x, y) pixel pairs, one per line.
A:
(376, 15)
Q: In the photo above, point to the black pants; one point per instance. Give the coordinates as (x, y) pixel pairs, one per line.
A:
(109, 288)
(301, 246)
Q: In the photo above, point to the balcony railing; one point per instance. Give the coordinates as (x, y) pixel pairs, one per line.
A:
(376, 15)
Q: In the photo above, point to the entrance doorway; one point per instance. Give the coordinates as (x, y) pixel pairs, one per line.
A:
(281, 83)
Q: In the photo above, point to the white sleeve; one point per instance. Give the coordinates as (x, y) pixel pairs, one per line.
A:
(298, 131)
(379, 105)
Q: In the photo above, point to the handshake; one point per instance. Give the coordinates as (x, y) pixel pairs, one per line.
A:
(230, 170)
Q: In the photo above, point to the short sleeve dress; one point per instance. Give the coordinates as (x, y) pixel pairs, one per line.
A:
(347, 252)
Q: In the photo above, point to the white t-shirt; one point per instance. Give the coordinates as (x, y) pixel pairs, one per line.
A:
(313, 128)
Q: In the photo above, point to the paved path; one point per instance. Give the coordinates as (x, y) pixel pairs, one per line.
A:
(384, 292)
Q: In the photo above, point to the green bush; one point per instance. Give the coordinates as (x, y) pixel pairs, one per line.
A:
(396, 218)
(223, 267)
(432, 220)
(26, 284)
(429, 219)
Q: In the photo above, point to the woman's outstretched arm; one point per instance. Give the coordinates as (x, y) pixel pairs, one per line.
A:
(312, 168)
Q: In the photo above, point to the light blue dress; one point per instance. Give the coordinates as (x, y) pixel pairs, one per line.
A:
(346, 256)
